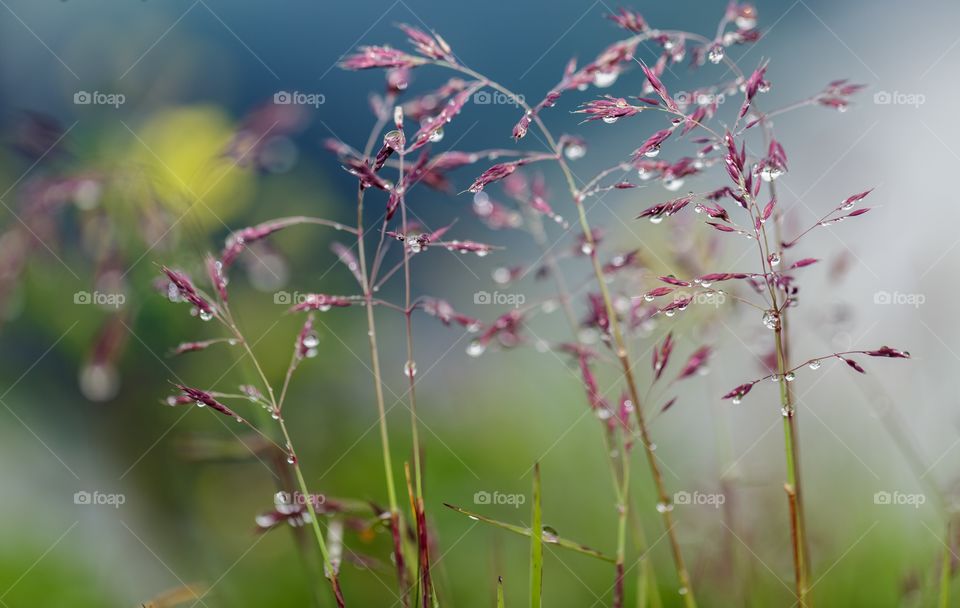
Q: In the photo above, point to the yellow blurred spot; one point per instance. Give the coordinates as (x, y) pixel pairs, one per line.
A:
(181, 152)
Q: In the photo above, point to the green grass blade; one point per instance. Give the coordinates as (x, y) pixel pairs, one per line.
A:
(536, 544)
(550, 539)
(500, 603)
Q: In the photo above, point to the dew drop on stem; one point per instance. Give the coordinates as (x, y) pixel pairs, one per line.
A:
(715, 55)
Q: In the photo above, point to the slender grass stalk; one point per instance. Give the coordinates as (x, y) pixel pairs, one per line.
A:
(623, 507)
(621, 478)
(410, 370)
(500, 603)
(367, 287)
(620, 347)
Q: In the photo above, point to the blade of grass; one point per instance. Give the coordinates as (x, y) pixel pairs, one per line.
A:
(500, 603)
(536, 544)
(547, 538)
(945, 572)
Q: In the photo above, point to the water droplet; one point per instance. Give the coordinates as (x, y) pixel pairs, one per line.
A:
(311, 340)
(575, 151)
(672, 183)
(648, 298)
(436, 136)
(604, 414)
(683, 590)
(774, 378)
(715, 55)
(476, 348)
(99, 381)
(705, 284)
(786, 411)
(548, 306)
(699, 208)
(410, 369)
(664, 507)
(736, 400)
(610, 119)
(605, 79)
(414, 244)
(586, 249)
(670, 312)
(815, 364)
(771, 319)
(652, 152)
(201, 403)
(205, 315)
(291, 459)
(789, 376)
(656, 219)
(774, 259)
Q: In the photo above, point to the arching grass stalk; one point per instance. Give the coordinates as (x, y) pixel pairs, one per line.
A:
(331, 571)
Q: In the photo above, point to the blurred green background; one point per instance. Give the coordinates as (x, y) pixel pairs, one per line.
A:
(82, 385)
